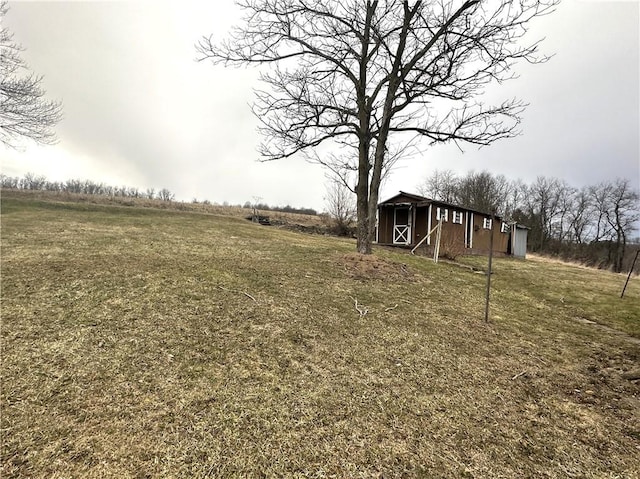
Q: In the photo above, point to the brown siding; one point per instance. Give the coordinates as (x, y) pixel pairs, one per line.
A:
(385, 225)
(453, 234)
(500, 240)
(420, 227)
(482, 236)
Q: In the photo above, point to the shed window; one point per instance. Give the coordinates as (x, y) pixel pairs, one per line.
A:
(504, 227)
(457, 217)
(486, 223)
(442, 214)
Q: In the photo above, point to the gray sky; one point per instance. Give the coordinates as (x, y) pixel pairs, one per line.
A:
(139, 111)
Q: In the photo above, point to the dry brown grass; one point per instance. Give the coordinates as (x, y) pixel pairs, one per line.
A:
(559, 261)
(278, 217)
(130, 349)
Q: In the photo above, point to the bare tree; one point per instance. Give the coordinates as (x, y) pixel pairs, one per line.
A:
(599, 195)
(165, 195)
(31, 181)
(515, 199)
(581, 216)
(340, 206)
(370, 77)
(441, 186)
(622, 213)
(483, 192)
(9, 181)
(542, 207)
(564, 196)
(24, 112)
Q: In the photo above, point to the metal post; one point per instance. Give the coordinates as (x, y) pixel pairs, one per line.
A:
(486, 307)
(629, 275)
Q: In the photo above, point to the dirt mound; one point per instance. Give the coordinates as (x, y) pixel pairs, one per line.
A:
(368, 266)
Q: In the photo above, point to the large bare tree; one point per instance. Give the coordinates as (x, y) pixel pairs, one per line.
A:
(370, 77)
(24, 111)
(617, 204)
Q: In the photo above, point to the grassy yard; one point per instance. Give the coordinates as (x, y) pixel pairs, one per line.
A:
(148, 343)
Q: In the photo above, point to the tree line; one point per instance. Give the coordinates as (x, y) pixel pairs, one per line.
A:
(31, 181)
(593, 224)
(281, 209)
(34, 182)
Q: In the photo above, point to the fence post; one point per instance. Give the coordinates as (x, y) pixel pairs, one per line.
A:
(629, 275)
(486, 307)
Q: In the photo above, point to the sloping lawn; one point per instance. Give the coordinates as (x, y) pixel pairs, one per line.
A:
(148, 343)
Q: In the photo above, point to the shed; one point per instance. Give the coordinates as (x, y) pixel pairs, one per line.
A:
(406, 218)
(519, 240)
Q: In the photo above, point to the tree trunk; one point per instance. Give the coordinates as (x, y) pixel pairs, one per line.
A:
(376, 179)
(620, 250)
(373, 202)
(362, 199)
(364, 142)
(362, 230)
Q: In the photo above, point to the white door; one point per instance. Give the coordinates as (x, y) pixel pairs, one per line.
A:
(401, 226)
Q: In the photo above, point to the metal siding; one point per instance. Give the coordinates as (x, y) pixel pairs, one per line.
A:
(519, 242)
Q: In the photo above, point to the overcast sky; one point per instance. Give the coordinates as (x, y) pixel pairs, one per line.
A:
(140, 111)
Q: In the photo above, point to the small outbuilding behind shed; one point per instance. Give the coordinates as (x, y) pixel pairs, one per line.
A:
(519, 240)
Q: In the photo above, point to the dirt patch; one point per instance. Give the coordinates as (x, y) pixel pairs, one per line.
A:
(299, 228)
(368, 266)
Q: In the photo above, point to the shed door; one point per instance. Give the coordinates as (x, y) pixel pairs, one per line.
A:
(401, 226)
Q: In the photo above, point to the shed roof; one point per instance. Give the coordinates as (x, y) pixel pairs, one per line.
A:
(413, 196)
(424, 201)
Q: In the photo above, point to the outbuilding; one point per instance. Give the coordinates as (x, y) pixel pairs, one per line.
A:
(406, 218)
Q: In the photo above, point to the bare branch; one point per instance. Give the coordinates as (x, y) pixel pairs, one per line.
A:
(24, 111)
(240, 292)
(362, 310)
